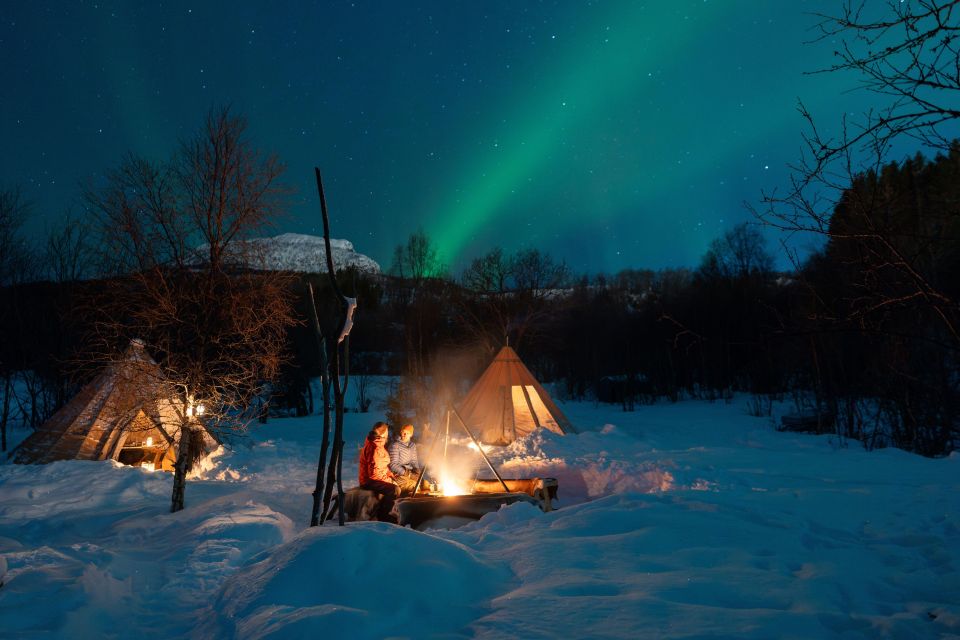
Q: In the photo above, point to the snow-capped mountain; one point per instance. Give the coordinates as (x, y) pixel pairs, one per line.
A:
(306, 254)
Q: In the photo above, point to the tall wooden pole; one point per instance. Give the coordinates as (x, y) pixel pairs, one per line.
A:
(315, 513)
(336, 456)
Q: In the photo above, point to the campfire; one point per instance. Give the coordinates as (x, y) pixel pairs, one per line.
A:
(457, 500)
(449, 486)
(435, 509)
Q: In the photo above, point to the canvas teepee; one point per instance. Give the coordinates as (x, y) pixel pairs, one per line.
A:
(507, 403)
(125, 414)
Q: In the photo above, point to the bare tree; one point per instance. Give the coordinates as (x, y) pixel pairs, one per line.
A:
(15, 255)
(908, 55)
(537, 273)
(489, 273)
(741, 252)
(66, 253)
(417, 259)
(905, 52)
(889, 223)
(509, 296)
(215, 323)
(419, 298)
(15, 267)
(486, 309)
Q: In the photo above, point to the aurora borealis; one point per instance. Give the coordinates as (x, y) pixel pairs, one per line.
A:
(607, 134)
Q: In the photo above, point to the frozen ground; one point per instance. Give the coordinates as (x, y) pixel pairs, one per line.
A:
(676, 521)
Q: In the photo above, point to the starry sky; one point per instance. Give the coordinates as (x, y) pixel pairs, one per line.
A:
(610, 134)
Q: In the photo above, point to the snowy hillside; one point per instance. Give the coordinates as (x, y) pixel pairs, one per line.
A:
(306, 254)
(676, 521)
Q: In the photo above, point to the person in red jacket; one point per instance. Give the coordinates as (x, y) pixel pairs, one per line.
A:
(375, 474)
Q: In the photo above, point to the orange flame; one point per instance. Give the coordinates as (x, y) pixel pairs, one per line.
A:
(450, 485)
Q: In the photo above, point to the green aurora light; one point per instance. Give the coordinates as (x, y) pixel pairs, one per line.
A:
(603, 69)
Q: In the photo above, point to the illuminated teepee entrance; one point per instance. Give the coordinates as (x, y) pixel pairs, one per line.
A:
(507, 403)
(124, 414)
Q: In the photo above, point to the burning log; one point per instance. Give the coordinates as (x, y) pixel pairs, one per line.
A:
(422, 511)
(543, 489)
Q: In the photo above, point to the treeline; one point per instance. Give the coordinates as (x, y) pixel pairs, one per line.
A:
(862, 337)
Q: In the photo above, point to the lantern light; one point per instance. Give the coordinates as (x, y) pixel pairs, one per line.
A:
(194, 409)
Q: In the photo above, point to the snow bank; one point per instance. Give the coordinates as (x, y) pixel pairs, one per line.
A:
(90, 547)
(677, 520)
(366, 580)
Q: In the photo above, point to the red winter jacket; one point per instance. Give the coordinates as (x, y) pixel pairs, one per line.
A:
(374, 461)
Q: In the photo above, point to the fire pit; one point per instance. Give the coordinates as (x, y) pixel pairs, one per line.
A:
(424, 511)
(459, 504)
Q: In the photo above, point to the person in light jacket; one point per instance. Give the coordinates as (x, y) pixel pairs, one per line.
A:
(404, 462)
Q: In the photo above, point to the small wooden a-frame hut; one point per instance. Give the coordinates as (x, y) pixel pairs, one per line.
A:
(507, 403)
(127, 413)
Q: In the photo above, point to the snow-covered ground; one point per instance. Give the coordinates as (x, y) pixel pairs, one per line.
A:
(676, 521)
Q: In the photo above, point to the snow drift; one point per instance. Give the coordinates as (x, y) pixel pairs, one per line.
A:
(678, 520)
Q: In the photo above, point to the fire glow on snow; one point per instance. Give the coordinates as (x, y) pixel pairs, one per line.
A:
(686, 519)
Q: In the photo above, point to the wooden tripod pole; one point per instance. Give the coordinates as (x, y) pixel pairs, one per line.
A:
(447, 439)
(479, 448)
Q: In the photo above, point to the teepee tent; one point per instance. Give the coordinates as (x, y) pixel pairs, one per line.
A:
(507, 403)
(126, 413)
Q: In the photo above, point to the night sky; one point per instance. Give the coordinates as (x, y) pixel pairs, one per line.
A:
(608, 134)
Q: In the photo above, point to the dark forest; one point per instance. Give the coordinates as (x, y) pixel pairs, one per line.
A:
(862, 337)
